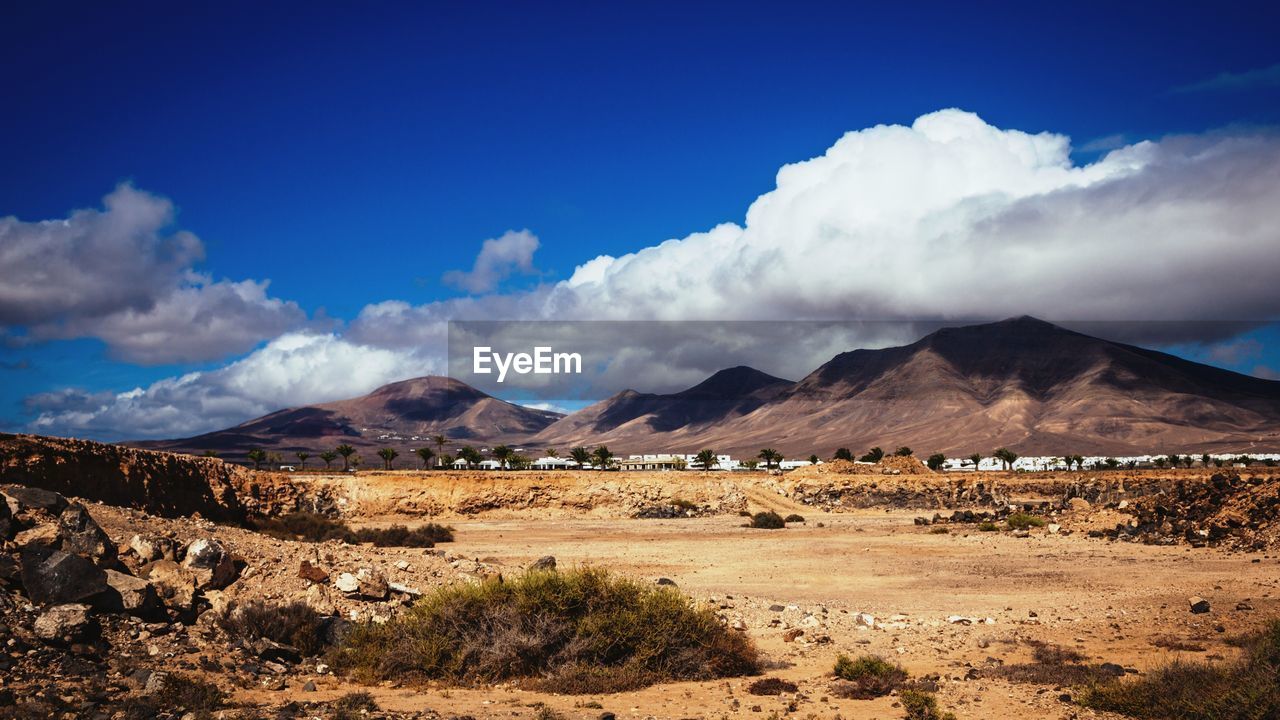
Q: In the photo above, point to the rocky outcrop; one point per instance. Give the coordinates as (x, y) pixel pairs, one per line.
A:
(161, 483)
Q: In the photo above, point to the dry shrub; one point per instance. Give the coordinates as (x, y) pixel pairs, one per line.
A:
(1055, 665)
(922, 706)
(313, 527)
(295, 624)
(794, 518)
(353, 705)
(1169, 642)
(771, 686)
(866, 677)
(1024, 521)
(767, 520)
(1245, 689)
(581, 631)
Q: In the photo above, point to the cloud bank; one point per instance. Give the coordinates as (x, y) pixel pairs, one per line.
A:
(119, 274)
(948, 218)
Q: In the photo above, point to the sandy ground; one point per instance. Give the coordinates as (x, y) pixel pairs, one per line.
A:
(1110, 600)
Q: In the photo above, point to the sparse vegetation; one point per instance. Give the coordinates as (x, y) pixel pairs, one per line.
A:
(582, 631)
(1244, 689)
(767, 520)
(843, 454)
(903, 451)
(939, 530)
(874, 455)
(866, 677)
(1023, 521)
(313, 527)
(296, 625)
(1055, 665)
(346, 451)
(794, 518)
(353, 705)
(922, 706)
(987, 526)
(771, 686)
(936, 461)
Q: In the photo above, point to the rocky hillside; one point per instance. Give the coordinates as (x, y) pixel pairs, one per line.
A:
(161, 483)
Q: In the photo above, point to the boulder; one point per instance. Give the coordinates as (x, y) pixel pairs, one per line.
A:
(57, 577)
(153, 547)
(43, 536)
(210, 563)
(21, 498)
(1198, 605)
(136, 596)
(1077, 504)
(175, 585)
(7, 525)
(83, 536)
(543, 564)
(64, 623)
(347, 583)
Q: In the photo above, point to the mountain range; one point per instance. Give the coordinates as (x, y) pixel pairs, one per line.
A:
(1025, 384)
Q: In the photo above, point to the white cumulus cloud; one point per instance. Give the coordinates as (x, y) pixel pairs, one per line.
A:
(499, 257)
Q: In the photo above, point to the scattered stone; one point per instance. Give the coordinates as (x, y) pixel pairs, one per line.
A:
(312, 573)
(64, 623)
(174, 583)
(347, 583)
(136, 596)
(1198, 605)
(22, 498)
(82, 536)
(373, 584)
(792, 634)
(666, 581)
(309, 686)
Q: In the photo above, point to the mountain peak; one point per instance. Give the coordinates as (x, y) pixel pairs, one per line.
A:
(734, 382)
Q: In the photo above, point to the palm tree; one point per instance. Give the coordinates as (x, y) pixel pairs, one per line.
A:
(258, 456)
(470, 455)
(388, 454)
(553, 453)
(1205, 459)
(843, 454)
(813, 459)
(707, 458)
(446, 461)
(1005, 456)
(976, 459)
(770, 456)
(346, 451)
(603, 457)
(1079, 461)
(328, 456)
(874, 455)
(903, 451)
(426, 454)
(581, 455)
(439, 440)
(936, 461)
(502, 454)
(302, 457)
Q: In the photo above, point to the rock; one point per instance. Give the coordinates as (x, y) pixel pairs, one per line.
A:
(607, 716)
(7, 526)
(1077, 504)
(404, 589)
(1054, 528)
(373, 584)
(175, 585)
(1198, 605)
(211, 564)
(21, 498)
(347, 583)
(402, 564)
(959, 620)
(64, 623)
(666, 581)
(203, 554)
(57, 577)
(150, 548)
(866, 619)
(545, 563)
(311, 573)
(309, 686)
(44, 536)
(272, 651)
(776, 608)
(136, 596)
(83, 536)
(792, 634)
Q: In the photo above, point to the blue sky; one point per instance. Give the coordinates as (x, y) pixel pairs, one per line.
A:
(353, 154)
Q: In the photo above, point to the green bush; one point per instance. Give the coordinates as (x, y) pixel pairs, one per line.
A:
(1244, 689)
(1023, 521)
(767, 520)
(922, 706)
(988, 526)
(582, 631)
(867, 677)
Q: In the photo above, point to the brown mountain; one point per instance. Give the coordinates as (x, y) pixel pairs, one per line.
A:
(391, 416)
(1024, 384)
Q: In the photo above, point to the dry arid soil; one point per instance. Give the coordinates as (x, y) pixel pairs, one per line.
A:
(868, 571)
